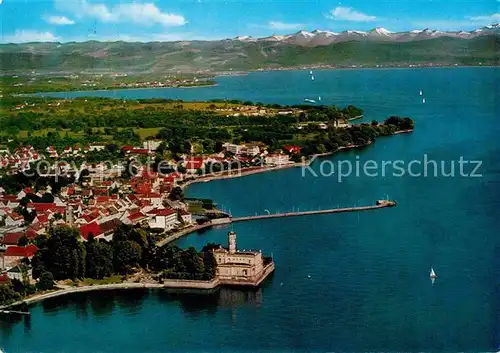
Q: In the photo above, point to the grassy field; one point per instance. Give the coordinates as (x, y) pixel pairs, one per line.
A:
(143, 133)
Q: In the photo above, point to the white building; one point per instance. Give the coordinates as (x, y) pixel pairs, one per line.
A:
(96, 148)
(232, 148)
(277, 159)
(251, 150)
(240, 267)
(163, 219)
(151, 145)
(186, 217)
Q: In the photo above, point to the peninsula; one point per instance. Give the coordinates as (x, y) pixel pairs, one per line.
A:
(92, 189)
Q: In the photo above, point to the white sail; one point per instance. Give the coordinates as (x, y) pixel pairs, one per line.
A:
(310, 72)
(432, 274)
(312, 78)
(423, 101)
(421, 93)
(319, 98)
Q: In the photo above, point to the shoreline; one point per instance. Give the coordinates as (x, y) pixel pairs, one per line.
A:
(246, 73)
(189, 284)
(167, 284)
(38, 94)
(258, 170)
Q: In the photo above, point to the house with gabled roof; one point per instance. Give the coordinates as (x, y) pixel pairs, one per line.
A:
(16, 253)
(92, 228)
(163, 218)
(14, 220)
(11, 238)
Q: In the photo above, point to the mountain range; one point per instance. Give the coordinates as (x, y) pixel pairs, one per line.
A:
(319, 37)
(317, 48)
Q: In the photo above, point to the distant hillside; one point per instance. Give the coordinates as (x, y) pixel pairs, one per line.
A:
(242, 55)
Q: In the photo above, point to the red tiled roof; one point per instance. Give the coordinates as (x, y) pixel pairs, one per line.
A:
(292, 149)
(9, 197)
(100, 191)
(135, 215)
(140, 151)
(31, 234)
(40, 206)
(194, 163)
(110, 225)
(36, 227)
(127, 148)
(162, 212)
(20, 251)
(91, 228)
(15, 216)
(102, 199)
(11, 238)
(42, 218)
(4, 278)
(88, 217)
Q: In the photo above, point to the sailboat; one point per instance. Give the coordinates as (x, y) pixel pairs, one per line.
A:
(312, 78)
(432, 275)
(421, 93)
(423, 100)
(310, 72)
(319, 98)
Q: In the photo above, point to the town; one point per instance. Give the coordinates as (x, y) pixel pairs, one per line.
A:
(114, 202)
(97, 198)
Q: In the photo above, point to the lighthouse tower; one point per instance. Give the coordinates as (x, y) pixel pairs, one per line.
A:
(232, 242)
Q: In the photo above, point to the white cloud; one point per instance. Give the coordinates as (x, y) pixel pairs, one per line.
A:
(25, 36)
(59, 20)
(283, 26)
(486, 19)
(139, 13)
(341, 13)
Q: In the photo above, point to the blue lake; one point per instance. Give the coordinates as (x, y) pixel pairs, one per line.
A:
(343, 282)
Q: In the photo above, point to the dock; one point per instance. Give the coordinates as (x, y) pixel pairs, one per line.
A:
(228, 220)
(14, 312)
(379, 204)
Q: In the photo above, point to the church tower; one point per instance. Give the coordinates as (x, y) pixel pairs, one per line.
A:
(70, 219)
(232, 242)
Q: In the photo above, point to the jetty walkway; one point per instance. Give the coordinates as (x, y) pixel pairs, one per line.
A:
(379, 204)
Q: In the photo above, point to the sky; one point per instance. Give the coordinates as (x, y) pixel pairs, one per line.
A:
(166, 20)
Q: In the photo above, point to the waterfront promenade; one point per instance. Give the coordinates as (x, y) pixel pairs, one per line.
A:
(380, 204)
(227, 220)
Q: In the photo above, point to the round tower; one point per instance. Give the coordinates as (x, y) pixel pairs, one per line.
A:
(232, 242)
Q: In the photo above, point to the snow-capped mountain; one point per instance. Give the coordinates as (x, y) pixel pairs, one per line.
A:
(380, 32)
(321, 37)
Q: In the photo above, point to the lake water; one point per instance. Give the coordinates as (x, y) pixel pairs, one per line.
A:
(343, 282)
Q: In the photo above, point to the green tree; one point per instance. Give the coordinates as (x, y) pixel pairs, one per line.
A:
(46, 281)
(126, 256)
(99, 260)
(8, 294)
(63, 254)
